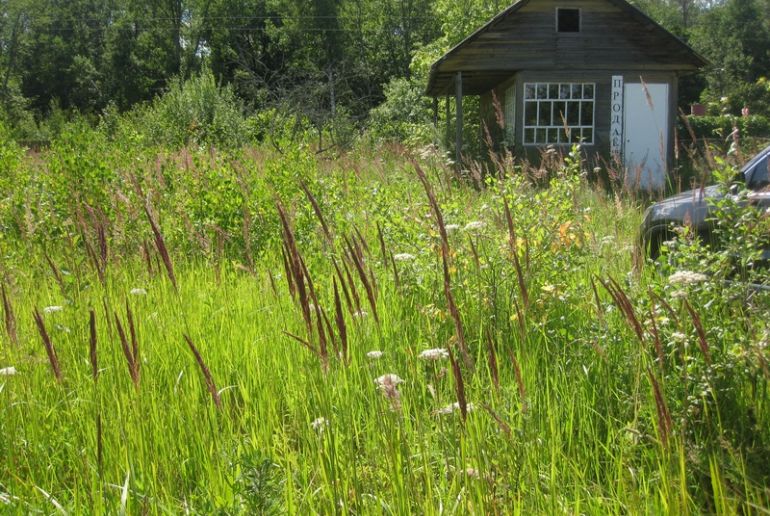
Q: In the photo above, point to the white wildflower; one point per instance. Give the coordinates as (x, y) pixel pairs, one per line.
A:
(451, 228)
(686, 278)
(678, 294)
(475, 225)
(677, 335)
(403, 257)
(388, 384)
(8, 371)
(52, 309)
(138, 292)
(388, 380)
(472, 472)
(375, 354)
(453, 407)
(360, 313)
(434, 354)
(319, 424)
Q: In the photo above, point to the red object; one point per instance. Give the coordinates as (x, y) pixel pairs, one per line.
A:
(697, 110)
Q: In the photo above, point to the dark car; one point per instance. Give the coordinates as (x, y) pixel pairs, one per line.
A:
(694, 207)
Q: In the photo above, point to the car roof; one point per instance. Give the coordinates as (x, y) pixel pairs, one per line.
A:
(758, 157)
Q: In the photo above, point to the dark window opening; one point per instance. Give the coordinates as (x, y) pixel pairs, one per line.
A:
(568, 20)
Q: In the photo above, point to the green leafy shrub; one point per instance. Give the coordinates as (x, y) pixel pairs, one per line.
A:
(197, 112)
(721, 126)
(405, 115)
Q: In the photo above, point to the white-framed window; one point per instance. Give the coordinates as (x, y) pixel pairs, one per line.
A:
(509, 108)
(558, 113)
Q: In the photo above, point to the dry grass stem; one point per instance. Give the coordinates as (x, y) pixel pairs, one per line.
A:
(665, 423)
(626, 308)
(160, 245)
(92, 345)
(9, 317)
(512, 241)
(492, 360)
(356, 257)
(128, 352)
(53, 359)
(702, 342)
(210, 385)
(459, 385)
(453, 311)
(339, 318)
(317, 210)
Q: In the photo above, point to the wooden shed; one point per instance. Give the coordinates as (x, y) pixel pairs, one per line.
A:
(598, 72)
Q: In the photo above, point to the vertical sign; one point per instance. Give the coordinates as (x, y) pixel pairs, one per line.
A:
(616, 122)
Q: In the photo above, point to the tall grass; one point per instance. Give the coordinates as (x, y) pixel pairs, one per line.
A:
(571, 383)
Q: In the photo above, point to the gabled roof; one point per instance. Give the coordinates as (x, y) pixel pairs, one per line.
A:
(616, 37)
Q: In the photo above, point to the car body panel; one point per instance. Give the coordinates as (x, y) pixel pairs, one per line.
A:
(693, 208)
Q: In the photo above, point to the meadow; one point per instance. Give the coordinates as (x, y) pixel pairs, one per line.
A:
(273, 331)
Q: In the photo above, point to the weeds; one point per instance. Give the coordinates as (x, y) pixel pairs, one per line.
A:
(596, 390)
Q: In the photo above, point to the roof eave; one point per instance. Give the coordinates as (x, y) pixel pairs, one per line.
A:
(475, 34)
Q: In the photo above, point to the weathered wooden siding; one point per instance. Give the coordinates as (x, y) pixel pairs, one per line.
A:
(613, 37)
(489, 115)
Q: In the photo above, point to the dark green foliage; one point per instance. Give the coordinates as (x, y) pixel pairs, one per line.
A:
(722, 126)
(405, 114)
(197, 111)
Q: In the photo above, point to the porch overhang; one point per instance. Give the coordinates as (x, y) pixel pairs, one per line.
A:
(475, 82)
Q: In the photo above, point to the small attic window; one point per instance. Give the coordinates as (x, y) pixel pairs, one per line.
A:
(567, 20)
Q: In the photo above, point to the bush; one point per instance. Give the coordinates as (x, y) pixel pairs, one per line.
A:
(405, 115)
(197, 111)
(721, 126)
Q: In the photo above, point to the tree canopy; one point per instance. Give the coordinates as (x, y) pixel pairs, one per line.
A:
(318, 57)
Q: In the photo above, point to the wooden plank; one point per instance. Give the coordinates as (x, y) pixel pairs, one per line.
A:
(458, 118)
(448, 121)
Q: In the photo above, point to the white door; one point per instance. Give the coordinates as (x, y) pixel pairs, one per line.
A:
(645, 130)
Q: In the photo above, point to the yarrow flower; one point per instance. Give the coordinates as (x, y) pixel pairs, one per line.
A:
(52, 309)
(388, 385)
(319, 424)
(678, 336)
(432, 355)
(138, 292)
(403, 257)
(375, 354)
(388, 380)
(686, 278)
(453, 407)
(359, 313)
(451, 227)
(474, 226)
(8, 371)
(678, 294)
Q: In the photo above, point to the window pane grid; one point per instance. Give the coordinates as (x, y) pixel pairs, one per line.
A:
(558, 113)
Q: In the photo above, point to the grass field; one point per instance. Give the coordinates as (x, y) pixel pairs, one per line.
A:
(246, 332)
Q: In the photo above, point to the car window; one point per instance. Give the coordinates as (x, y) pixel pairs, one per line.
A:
(759, 175)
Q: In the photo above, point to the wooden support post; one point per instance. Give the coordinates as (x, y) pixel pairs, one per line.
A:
(458, 118)
(448, 119)
(435, 112)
